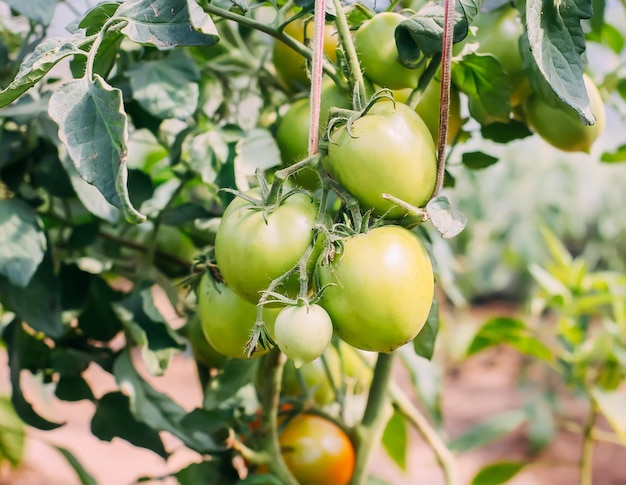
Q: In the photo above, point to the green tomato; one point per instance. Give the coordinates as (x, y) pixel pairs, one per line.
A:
(498, 34)
(379, 288)
(302, 332)
(291, 67)
(292, 135)
(227, 319)
(253, 247)
(561, 127)
(375, 44)
(388, 150)
(317, 451)
(202, 350)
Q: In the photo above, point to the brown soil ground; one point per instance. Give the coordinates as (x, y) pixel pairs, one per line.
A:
(479, 388)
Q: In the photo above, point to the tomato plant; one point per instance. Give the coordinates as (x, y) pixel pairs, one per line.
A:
(387, 150)
(317, 451)
(376, 47)
(253, 246)
(380, 289)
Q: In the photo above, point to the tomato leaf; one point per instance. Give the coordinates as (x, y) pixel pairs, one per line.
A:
(510, 331)
(167, 88)
(22, 242)
(497, 473)
(45, 56)
(489, 430)
(619, 155)
(447, 220)
(213, 472)
(486, 84)
(505, 132)
(25, 352)
(234, 375)
(94, 19)
(421, 34)
(556, 41)
(149, 329)
(541, 426)
(167, 23)
(39, 11)
(424, 343)
(94, 128)
(478, 160)
(12, 434)
(257, 150)
(158, 410)
(73, 388)
(612, 405)
(113, 418)
(84, 476)
(395, 440)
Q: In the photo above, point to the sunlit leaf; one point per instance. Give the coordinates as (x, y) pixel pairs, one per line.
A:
(497, 473)
(612, 405)
(447, 220)
(395, 439)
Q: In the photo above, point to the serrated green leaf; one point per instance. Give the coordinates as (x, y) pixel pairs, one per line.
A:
(94, 128)
(84, 476)
(424, 343)
(12, 434)
(158, 410)
(488, 431)
(421, 34)
(447, 220)
(556, 41)
(256, 150)
(509, 331)
(612, 405)
(113, 419)
(39, 11)
(395, 440)
(168, 87)
(45, 56)
(497, 473)
(478, 160)
(505, 132)
(487, 86)
(22, 242)
(619, 155)
(167, 23)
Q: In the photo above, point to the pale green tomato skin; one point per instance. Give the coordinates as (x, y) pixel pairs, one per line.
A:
(227, 319)
(389, 150)
(376, 47)
(380, 289)
(302, 333)
(252, 250)
(561, 127)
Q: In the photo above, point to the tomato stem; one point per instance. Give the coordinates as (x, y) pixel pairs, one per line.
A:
(280, 176)
(357, 82)
(586, 460)
(368, 434)
(319, 21)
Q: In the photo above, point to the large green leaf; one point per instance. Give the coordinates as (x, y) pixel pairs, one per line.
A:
(612, 405)
(39, 11)
(84, 476)
(167, 23)
(510, 331)
(45, 56)
(395, 439)
(556, 40)
(168, 87)
(22, 242)
(497, 473)
(12, 434)
(113, 418)
(158, 410)
(489, 430)
(94, 128)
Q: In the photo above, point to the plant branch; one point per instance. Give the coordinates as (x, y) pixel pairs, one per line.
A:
(368, 434)
(319, 21)
(586, 460)
(405, 407)
(299, 47)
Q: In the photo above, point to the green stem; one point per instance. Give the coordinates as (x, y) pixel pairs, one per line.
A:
(113, 24)
(273, 366)
(300, 48)
(369, 432)
(280, 176)
(405, 407)
(319, 22)
(586, 460)
(356, 75)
